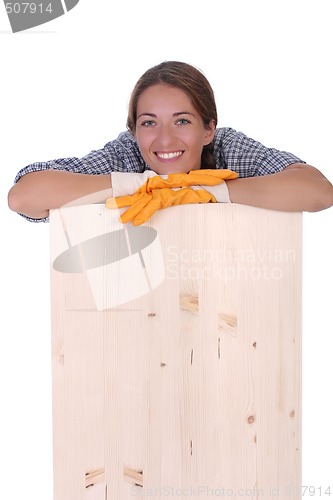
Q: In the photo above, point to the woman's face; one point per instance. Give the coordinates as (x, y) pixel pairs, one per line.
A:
(169, 130)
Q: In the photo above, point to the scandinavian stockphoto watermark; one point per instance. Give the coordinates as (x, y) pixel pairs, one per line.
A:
(26, 15)
(120, 262)
(125, 262)
(287, 491)
(228, 264)
(196, 491)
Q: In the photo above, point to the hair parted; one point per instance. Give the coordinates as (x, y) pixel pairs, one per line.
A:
(189, 79)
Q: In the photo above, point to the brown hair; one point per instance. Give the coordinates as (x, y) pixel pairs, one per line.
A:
(193, 83)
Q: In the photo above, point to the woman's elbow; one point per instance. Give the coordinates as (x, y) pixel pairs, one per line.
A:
(324, 198)
(316, 189)
(22, 202)
(15, 201)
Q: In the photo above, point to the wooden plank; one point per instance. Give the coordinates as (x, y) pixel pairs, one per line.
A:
(191, 386)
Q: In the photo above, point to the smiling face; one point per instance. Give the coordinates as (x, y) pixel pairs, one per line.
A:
(169, 130)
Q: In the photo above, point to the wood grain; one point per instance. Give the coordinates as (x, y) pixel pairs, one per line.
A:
(192, 389)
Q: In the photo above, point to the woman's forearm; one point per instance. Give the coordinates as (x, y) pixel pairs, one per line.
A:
(297, 188)
(38, 192)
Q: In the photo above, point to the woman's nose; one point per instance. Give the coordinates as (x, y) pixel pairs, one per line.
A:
(166, 137)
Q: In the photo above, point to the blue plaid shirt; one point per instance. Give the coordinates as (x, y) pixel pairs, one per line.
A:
(232, 150)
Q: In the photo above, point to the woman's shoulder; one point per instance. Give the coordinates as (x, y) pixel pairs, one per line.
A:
(125, 140)
(226, 134)
(223, 142)
(125, 149)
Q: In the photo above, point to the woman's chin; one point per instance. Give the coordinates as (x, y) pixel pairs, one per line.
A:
(166, 169)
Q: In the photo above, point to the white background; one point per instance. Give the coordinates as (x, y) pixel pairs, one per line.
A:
(64, 91)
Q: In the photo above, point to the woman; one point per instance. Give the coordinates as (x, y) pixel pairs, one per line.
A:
(172, 128)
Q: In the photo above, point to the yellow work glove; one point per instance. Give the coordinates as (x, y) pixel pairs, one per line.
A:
(144, 205)
(205, 177)
(157, 193)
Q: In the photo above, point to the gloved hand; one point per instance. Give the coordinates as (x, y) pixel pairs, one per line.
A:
(208, 177)
(144, 205)
(210, 181)
(124, 183)
(129, 182)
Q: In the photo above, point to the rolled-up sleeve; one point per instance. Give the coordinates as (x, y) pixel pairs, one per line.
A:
(120, 155)
(249, 158)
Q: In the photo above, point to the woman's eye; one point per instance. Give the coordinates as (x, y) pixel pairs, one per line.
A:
(148, 123)
(183, 121)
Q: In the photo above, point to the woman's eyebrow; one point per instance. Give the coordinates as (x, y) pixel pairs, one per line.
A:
(183, 113)
(178, 113)
(147, 114)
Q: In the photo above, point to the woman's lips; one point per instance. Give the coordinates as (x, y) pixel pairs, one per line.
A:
(163, 155)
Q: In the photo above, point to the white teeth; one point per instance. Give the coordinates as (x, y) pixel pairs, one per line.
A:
(168, 156)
